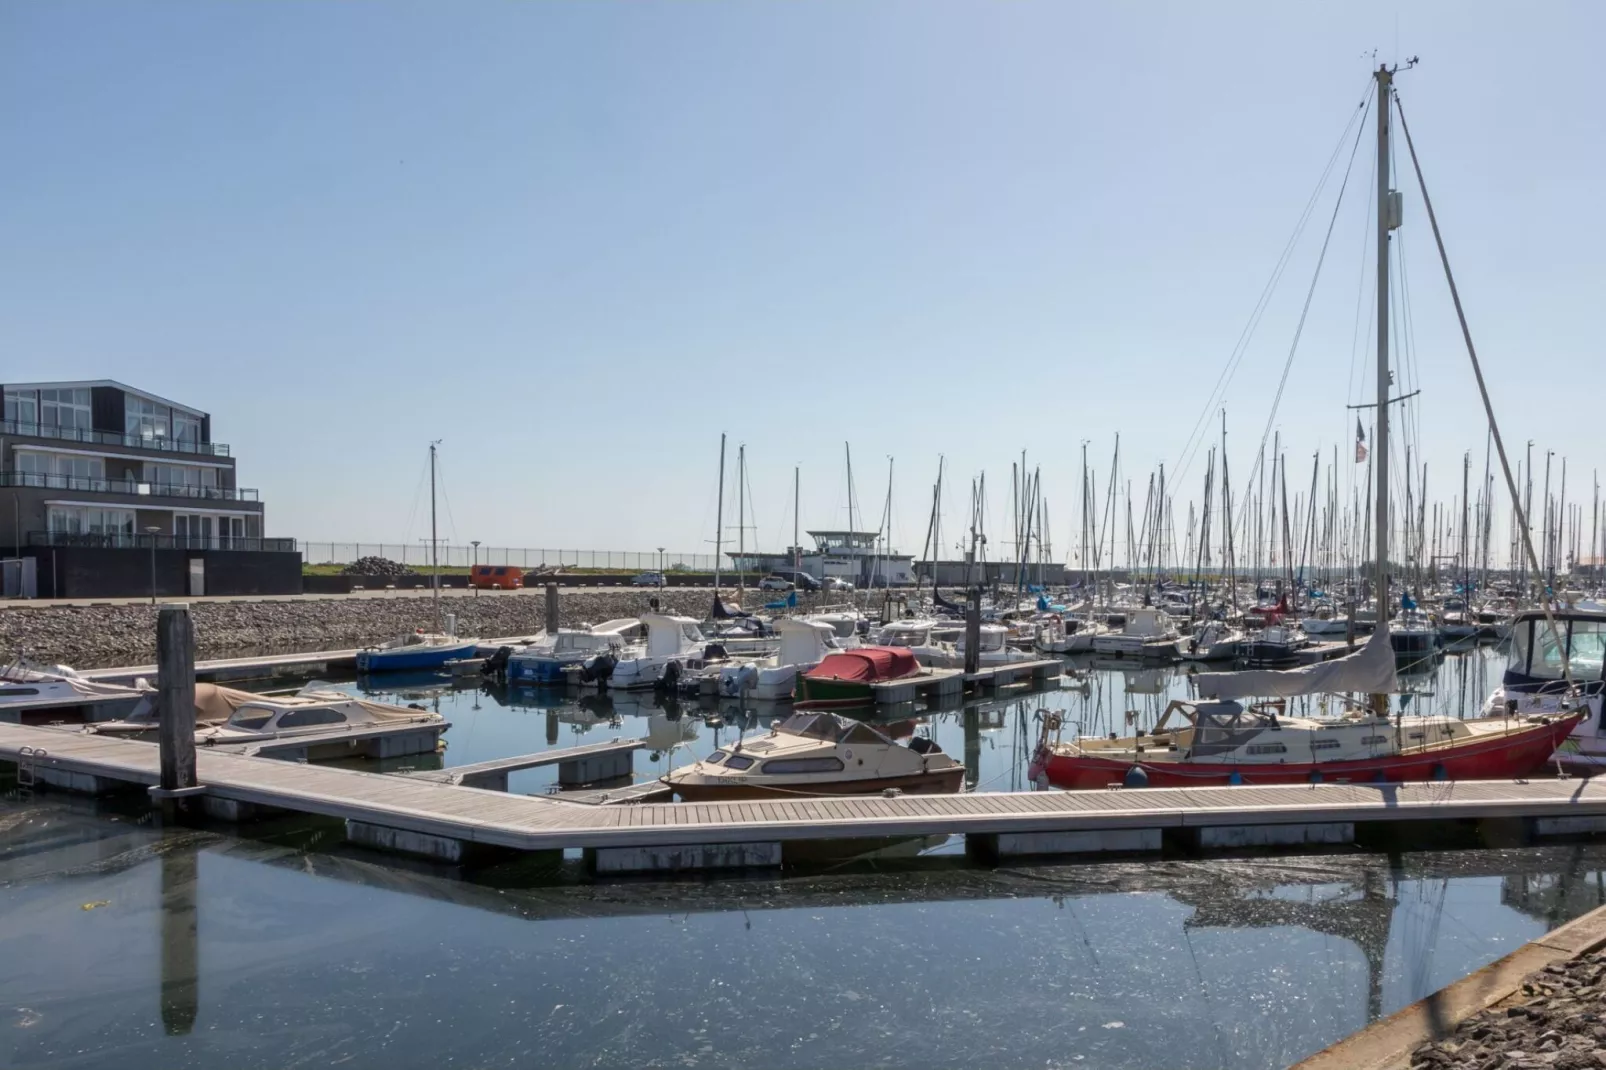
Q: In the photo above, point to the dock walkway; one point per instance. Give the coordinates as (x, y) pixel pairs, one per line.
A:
(576, 765)
(420, 815)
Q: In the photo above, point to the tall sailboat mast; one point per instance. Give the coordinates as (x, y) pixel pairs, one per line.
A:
(434, 540)
(1385, 206)
(719, 516)
(797, 548)
(741, 517)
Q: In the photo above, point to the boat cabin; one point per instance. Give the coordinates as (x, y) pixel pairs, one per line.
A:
(669, 637)
(1543, 657)
(804, 642)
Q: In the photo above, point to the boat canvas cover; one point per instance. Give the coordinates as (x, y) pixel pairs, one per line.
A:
(1370, 670)
(868, 664)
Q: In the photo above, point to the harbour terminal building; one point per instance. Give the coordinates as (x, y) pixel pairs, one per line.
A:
(109, 484)
(855, 556)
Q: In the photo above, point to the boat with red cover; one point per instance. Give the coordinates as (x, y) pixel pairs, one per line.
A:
(848, 678)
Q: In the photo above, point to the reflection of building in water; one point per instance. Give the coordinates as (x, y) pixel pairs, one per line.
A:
(1554, 897)
(1362, 912)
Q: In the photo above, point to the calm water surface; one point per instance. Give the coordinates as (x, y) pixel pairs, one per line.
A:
(125, 944)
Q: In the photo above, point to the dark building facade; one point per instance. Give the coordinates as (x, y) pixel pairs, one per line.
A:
(110, 485)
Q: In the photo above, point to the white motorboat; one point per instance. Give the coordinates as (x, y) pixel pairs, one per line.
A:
(993, 648)
(1555, 672)
(1214, 640)
(804, 644)
(226, 715)
(930, 641)
(674, 646)
(818, 754)
(548, 660)
(57, 693)
(1146, 633)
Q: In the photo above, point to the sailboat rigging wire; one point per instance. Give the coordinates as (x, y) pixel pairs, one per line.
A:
(1218, 392)
(1310, 293)
(1483, 392)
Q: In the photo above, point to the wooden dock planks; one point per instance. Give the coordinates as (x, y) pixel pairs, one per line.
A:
(543, 822)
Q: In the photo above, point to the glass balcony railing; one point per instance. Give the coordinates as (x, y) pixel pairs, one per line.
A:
(127, 486)
(119, 540)
(112, 438)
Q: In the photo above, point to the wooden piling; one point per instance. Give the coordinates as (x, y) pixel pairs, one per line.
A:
(551, 609)
(175, 668)
(973, 631)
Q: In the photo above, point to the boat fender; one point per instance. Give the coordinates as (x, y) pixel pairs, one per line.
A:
(1236, 779)
(1135, 777)
(1315, 776)
(1440, 772)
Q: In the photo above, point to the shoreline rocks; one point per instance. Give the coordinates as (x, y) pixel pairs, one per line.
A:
(101, 636)
(1557, 1019)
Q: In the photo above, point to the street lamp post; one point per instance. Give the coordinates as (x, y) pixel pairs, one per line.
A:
(153, 532)
(660, 559)
(474, 564)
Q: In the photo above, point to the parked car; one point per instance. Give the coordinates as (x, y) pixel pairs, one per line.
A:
(776, 582)
(801, 580)
(496, 577)
(650, 579)
(837, 583)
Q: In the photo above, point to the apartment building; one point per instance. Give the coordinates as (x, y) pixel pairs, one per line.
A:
(105, 479)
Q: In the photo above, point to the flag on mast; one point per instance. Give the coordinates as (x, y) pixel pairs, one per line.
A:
(1360, 442)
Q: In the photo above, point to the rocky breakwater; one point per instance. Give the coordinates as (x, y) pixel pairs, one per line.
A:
(1556, 1020)
(116, 635)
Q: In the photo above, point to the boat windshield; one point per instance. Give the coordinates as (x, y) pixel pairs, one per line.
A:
(691, 632)
(1537, 648)
(830, 728)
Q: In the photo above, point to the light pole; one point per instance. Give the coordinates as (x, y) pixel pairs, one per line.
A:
(474, 564)
(152, 532)
(660, 559)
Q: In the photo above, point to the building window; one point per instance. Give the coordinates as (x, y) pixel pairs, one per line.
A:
(145, 419)
(63, 471)
(89, 520)
(66, 408)
(186, 428)
(22, 407)
(201, 482)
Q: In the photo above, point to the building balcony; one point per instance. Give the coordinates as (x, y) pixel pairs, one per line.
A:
(112, 438)
(129, 487)
(146, 541)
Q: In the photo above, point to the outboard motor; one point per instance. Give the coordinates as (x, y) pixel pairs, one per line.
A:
(598, 670)
(496, 664)
(735, 679)
(670, 680)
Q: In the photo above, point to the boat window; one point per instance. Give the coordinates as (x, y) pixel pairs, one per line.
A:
(691, 632)
(308, 718)
(715, 758)
(1267, 748)
(814, 726)
(1547, 650)
(804, 765)
(250, 718)
(19, 691)
(1588, 648)
(1324, 744)
(1367, 741)
(863, 733)
(738, 761)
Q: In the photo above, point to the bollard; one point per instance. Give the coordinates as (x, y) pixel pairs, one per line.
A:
(175, 668)
(973, 631)
(552, 609)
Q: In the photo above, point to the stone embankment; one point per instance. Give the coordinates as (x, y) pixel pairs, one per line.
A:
(1557, 1019)
(115, 635)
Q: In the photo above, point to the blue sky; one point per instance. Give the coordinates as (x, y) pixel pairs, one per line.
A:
(578, 241)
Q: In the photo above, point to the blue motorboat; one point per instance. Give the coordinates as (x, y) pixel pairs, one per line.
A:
(416, 650)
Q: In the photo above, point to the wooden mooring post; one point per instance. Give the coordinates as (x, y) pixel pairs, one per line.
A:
(973, 632)
(551, 609)
(175, 668)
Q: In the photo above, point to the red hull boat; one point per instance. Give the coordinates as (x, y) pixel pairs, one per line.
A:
(1503, 755)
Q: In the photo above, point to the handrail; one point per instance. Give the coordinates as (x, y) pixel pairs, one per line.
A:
(53, 481)
(144, 541)
(112, 438)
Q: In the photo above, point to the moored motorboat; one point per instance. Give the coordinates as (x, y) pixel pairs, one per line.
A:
(818, 754)
(548, 660)
(804, 644)
(849, 678)
(1552, 668)
(415, 650)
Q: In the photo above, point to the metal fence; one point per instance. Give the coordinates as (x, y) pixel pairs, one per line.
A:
(417, 555)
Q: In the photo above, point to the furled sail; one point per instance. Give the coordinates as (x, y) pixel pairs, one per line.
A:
(1370, 670)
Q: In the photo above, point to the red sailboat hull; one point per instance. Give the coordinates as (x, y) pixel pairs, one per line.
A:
(1502, 757)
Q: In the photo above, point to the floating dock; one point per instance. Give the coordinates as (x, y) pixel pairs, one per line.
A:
(453, 823)
(936, 684)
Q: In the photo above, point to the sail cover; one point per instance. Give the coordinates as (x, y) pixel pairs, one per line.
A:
(1370, 669)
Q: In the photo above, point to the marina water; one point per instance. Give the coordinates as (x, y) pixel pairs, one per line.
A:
(124, 943)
